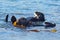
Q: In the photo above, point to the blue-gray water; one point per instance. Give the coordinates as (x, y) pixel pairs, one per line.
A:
(26, 8)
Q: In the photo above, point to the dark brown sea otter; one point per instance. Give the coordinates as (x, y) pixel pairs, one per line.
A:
(34, 21)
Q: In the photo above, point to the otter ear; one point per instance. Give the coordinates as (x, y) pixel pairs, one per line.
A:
(13, 19)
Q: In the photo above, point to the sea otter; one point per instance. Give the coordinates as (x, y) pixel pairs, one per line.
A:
(37, 20)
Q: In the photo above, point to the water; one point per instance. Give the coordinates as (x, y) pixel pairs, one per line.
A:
(26, 8)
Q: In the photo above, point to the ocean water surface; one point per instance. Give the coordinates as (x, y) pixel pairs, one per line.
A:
(26, 8)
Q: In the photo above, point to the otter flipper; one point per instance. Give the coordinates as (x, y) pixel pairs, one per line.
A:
(13, 19)
(49, 25)
(6, 19)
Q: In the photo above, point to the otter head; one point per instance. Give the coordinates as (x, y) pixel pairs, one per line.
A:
(39, 16)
